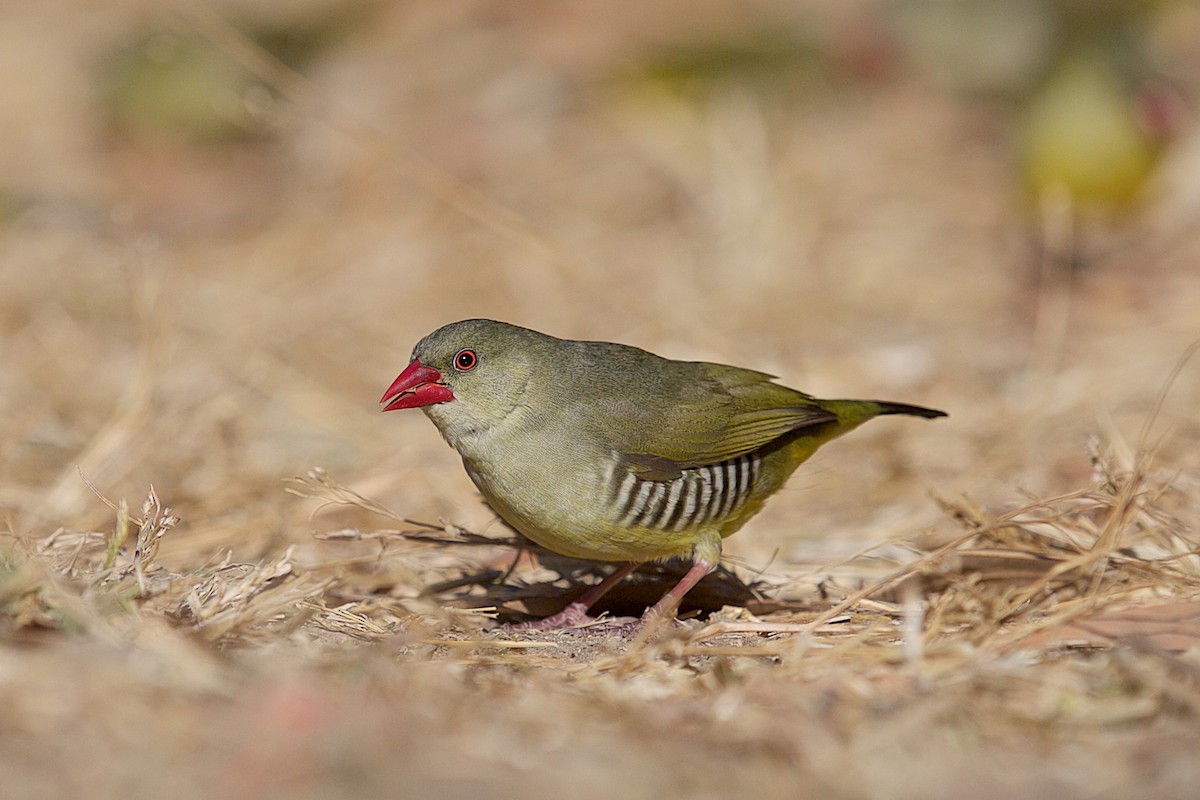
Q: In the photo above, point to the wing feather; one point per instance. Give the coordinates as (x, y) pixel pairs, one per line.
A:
(705, 414)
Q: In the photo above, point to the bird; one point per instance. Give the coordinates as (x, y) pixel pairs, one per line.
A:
(608, 452)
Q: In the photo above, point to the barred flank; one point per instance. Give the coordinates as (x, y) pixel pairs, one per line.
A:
(700, 495)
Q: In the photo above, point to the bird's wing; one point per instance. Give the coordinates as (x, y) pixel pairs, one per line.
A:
(711, 413)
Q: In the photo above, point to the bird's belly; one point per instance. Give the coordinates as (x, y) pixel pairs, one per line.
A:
(568, 511)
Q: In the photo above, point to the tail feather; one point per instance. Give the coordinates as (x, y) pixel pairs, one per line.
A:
(904, 408)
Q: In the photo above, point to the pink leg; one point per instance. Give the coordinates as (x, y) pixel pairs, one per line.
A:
(669, 604)
(576, 613)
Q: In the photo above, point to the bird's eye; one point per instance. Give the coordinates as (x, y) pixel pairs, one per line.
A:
(465, 360)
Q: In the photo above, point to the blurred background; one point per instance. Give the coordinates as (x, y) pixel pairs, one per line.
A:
(224, 225)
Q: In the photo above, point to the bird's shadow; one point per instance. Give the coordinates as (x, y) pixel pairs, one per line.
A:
(517, 599)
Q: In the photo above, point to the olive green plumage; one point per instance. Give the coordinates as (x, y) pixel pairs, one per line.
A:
(608, 452)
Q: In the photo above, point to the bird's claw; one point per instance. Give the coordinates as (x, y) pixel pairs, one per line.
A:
(575, 617)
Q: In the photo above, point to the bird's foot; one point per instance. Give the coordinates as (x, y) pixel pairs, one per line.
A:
(573, 616)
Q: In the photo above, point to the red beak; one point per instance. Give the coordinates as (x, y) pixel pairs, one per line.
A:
(415, 387)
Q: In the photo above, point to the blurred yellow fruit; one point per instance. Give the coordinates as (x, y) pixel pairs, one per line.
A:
(1082, 134)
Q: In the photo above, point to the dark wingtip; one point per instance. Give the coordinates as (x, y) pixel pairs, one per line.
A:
(913, 411)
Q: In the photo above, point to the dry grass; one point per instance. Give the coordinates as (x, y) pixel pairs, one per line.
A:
(1002, 604)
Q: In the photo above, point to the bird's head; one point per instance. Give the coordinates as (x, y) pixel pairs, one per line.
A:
(467, 376)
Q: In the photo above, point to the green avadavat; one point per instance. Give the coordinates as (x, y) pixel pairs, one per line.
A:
(604, 451)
